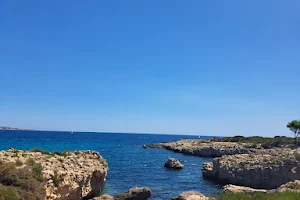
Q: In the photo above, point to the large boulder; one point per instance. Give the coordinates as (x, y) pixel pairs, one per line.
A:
(68, 175)
(173, 163)
(136, 193)
(190, 195)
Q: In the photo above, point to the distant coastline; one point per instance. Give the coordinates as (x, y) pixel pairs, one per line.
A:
(10, 128)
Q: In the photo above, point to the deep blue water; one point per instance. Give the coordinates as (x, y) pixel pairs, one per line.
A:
(129, 163)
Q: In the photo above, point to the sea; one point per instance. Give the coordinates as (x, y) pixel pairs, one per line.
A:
(129, 163)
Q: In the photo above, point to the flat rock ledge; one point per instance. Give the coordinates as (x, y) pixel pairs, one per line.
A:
(261, 171)
(81, 174)
(205, 148)
(136, 193)
(293, 186)
(191, 195)
(173, 163)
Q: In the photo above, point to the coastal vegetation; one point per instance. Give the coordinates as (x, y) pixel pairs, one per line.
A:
(287, 195)
(20, 183)
(64, 153)
(265, 142)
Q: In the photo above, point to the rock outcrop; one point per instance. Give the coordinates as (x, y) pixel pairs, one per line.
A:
(261, 171)
(205, 148)
(173, 163)
(190, 195)
(136, 193)
(241, 189)
(68, 176)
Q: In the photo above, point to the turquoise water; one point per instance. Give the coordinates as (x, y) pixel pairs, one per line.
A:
(129, 163)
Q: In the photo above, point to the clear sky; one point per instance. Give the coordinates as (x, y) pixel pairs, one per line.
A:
(185, 67)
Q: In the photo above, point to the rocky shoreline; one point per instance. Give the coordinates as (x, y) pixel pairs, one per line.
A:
(205, 148)
(241, 167)
(246, 167)
(69, 176)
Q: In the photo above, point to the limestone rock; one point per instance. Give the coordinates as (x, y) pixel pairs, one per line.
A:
(261, 171)
(293, 186)
(190, 195)
(204, 148)
(207, 170)
(136, 193)
(241, 189)
(173, 163)
(103, 197)
(68, 176)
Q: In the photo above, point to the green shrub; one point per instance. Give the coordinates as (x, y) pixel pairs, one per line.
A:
(37, 170)
(8, 193)
(57, 179)
(18, 163)
(267, 144)
(41, 151)
(65, 153)
(30, 162)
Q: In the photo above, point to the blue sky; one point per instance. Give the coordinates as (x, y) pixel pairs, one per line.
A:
(183, 67)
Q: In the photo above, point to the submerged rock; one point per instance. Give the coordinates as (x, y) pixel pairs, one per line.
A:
(190, 195)
(68, 175)
(173, 163)
(136, 193)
